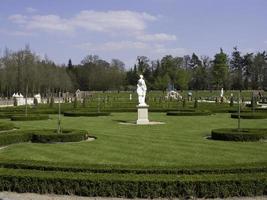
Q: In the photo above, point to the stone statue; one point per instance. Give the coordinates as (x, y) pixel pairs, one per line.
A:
(222, 92)
(141, 91)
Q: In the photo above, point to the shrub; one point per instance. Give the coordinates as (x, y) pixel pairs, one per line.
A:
(75, 103)
(186, 113)
(244, 134)
(250, 115)
(196, 103)
(231, 101)
(133, 186)
(42, 136)
(6, 126)
(51, 102)
(85, 114)
(50, 136)
(35, 101)
(30, 117)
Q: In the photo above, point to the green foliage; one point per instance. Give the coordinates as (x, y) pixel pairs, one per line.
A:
(184, 103)
(186, 113)
(6, 126)
(85, 114)
(244, 134)
(75, 103)
(48, 136)
(42, 136)
(220, 69)
(30, 117)
(196, 103)
(231, 101)
(51, 102)
(35, 102)
(133, 186)
(250, 115)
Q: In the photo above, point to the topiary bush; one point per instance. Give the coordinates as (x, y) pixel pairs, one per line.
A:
(234, 134)
(188, 113)
(85, 114)
(6, 126)
(51, 136)
(31, 117)
(43, 136)
(250, 115)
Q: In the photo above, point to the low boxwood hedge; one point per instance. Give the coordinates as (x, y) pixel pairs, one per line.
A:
(85, 114)
(122, 169)
(42, 136)
(188, 113)
(250, 115)
(31, 117)
(6, 126)
(5, 115)
(244, 134)
(133, 185)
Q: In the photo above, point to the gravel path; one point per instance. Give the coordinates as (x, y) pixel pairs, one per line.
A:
(32, 196)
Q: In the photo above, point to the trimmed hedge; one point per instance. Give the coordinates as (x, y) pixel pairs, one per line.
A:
(6, 126)
(78, 167)
(244, 134)
(132, 185)
(250, 115)
(188, 113)
(5, 115)
(85, 114)
(42, 136)
(30, 117)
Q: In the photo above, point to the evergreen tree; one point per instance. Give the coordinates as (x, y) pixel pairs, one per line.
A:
(220, 70)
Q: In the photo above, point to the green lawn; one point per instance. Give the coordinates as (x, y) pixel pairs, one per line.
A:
(180, 142)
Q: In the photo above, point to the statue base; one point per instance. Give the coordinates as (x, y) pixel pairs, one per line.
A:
(142, 114)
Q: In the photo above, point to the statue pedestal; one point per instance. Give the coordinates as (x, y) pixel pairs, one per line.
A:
(142, 114)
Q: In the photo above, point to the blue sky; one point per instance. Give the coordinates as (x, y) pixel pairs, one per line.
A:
(125, 29)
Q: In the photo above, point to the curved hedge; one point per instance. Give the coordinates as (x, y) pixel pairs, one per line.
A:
(42, 136)
(188, 113)
(244, 134)
(85, 114)
(30, 117)
(250, 115)
(6, 126)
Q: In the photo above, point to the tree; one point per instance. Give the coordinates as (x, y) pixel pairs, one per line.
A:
(237, 66)
(220, 70)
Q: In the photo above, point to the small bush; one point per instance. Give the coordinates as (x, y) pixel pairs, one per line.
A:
(51, 136)
(244, 134)
(42, 136)
(6, 126)
(250, 115)
(30, 117)
(186, 113)
(85, 114)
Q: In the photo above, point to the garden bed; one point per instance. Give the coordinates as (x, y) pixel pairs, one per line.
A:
(42, 136)
(250, 115)
(85, 114)
(30, 117)
(188, 113)
(244, 134)
(6, 126)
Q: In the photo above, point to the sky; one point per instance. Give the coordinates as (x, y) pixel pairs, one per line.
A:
(125, 29)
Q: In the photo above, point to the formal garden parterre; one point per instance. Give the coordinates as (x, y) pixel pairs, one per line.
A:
(175, 159)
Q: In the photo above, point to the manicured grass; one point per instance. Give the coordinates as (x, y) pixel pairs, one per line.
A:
(180, 142)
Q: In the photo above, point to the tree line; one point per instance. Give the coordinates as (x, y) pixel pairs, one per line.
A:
(23, 70)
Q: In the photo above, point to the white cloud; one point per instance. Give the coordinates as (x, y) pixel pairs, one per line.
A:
(158, 37)
(31, 10)
(18, 19)
(113, 46)
(15, 33)
(109, 21)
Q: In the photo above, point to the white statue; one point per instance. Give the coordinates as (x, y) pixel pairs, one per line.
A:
(222, 92)
(141, 91)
